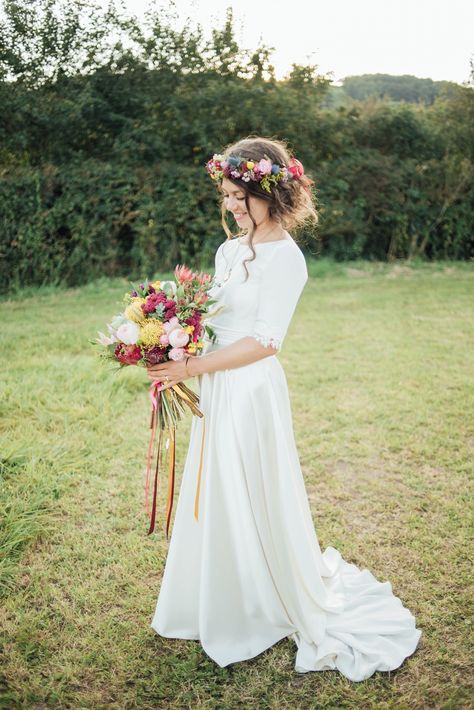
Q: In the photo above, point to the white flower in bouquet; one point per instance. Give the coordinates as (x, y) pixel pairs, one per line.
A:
(169, 287)
(128, 333)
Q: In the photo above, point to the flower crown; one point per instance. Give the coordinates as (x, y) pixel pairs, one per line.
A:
(264, 171)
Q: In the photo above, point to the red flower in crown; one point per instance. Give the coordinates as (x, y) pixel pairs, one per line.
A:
(295, 168)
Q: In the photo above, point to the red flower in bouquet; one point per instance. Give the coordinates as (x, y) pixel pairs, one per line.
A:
(154, 300)
(128, 354)
(155, 355)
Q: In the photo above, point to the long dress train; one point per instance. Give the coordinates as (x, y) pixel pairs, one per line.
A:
(250, 571)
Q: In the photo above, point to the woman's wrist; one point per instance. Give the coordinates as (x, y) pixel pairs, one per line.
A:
(193, 365)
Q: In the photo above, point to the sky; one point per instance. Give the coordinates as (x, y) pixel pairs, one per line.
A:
(426, 38)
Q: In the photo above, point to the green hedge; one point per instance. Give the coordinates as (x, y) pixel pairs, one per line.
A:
(71, 224)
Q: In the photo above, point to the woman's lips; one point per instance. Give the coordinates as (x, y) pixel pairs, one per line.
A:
(239, 216)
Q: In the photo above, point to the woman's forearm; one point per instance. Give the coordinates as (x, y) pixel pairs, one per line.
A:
(243, 352)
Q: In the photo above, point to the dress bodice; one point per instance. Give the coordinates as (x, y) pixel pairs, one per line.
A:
(263, 304)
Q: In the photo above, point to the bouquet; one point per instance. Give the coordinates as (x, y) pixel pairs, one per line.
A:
(163, 320)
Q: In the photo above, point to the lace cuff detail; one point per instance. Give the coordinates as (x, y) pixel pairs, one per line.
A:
(268, 341)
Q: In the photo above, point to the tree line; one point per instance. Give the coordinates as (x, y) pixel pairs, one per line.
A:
(108, 121)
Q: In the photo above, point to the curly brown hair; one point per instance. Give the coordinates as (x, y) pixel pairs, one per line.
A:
(292, 204)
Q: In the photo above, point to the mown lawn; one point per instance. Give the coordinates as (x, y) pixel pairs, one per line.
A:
(379, 361)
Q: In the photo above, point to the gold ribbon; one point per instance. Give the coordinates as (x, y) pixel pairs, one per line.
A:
(171, 456)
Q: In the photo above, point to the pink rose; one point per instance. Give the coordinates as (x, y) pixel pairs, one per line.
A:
(265, 166)
(171, 324)
(164, 340)
(178, 337)
(176, 354)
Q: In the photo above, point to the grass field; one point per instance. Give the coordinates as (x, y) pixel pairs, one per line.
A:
(379, 362)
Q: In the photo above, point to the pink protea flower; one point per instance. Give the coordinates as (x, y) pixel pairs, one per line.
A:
(203, 278)
(200, 297)
(183, 274)
(106, 339)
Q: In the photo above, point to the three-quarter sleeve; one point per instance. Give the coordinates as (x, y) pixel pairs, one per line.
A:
(218, 256)
(282, 283)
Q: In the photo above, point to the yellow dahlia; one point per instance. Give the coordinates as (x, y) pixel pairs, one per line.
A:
(150, 332)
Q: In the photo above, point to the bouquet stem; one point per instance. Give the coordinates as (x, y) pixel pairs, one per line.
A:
(165, 414)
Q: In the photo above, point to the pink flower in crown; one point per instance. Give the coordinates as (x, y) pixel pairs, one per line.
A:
(176, 354)
(295, 168)
(183, 274)
(264, 166)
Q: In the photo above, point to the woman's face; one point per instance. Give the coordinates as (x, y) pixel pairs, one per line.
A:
(234, 201)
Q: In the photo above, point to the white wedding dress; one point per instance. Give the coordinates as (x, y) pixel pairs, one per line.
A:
(250, 570)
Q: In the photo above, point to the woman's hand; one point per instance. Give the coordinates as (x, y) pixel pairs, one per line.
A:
(174, 371)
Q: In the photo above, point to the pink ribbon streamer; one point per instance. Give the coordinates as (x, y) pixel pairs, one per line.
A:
(154, 394)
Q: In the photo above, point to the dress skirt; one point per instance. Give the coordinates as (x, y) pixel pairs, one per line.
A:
(250, 570)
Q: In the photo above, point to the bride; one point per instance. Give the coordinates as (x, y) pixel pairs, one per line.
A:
(244, 566)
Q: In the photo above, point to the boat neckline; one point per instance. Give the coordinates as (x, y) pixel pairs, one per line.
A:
(259, 244)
